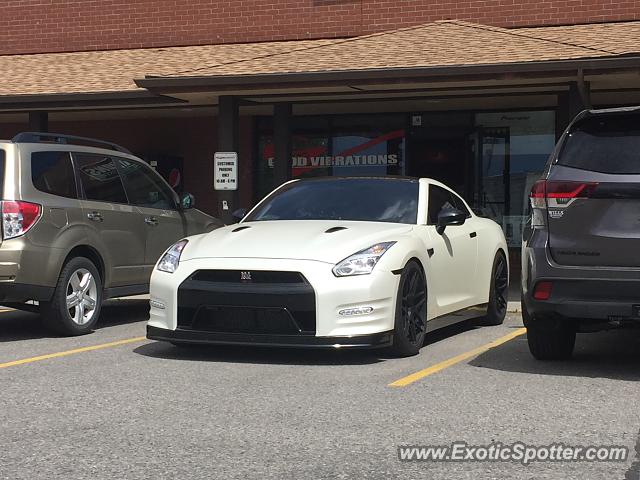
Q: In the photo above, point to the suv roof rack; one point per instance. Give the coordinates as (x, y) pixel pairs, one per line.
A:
(41, 137)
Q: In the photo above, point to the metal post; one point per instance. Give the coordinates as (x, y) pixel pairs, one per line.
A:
(39, 122)
(570, 103)
(282, 113)
(228, 126)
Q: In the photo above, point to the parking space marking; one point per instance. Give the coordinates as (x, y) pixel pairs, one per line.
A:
(438, 367)
(71, 352)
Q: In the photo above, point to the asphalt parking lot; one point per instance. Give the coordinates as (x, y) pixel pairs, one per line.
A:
(115, 405)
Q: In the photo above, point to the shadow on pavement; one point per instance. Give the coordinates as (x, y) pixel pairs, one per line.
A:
(450, 331)
(258, 355)
(122, 312)
(614, 355)
(18, 325)
(634, 471)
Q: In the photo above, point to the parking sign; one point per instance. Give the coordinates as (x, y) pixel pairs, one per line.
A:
(225, 171)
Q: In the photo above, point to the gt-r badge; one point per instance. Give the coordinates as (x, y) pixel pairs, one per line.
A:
(245, 276)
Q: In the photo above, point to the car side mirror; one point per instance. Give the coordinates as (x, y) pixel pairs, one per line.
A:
(187, 201)
(239, 214)
(450, 217)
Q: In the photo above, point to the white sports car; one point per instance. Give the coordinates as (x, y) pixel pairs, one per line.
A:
(334, 262)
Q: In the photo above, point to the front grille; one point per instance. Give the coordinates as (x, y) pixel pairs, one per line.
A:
(225, 319)
(219, 301)
(239, 276)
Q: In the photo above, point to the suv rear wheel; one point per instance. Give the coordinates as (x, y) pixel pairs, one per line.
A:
(550, 338)
(75, 306)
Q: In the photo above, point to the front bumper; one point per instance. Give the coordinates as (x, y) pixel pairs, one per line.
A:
(177, 301)
(376, 340)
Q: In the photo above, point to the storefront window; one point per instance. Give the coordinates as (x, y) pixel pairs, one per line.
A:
(513, 150)
(348, 146)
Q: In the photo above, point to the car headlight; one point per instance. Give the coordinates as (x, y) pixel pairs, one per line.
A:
(362, 262)
(171, 259)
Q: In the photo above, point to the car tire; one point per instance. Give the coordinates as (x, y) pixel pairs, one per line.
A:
(550, 338)
(498, 292)
(411, 312)
(75, 306)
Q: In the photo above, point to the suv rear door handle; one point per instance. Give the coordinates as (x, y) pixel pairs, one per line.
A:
(151, 221)
(95, 216)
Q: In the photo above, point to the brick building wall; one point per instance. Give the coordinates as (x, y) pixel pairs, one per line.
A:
(31, 26)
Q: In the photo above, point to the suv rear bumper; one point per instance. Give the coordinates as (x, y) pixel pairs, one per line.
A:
(20, 293)
(28, 271)
(587, 293)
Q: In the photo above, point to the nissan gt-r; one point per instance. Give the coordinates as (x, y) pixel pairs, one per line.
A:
(335, 262)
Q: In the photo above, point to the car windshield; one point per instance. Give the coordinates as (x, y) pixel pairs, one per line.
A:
(360, 199)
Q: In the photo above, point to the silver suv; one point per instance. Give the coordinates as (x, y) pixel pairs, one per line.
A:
(83, 221)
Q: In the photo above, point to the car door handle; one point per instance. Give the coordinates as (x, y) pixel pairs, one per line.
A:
(153, 221)
(95, 216)
(473, 234)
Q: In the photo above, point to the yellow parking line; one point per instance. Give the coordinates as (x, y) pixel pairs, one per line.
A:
(414, 377)
(71, 352)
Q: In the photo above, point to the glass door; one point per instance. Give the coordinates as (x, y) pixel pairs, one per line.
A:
(492, 168)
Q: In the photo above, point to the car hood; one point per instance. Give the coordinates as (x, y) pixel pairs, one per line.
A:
(320, 240)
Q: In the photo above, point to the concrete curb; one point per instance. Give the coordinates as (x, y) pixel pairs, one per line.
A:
(514, 307)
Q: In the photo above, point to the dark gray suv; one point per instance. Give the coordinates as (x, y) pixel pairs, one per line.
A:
(82, 221)
(581, 251)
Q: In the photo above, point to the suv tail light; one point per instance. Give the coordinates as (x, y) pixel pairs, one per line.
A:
(538, 194)
(18, 217)
(561, 194)
(543, 290)
(569, 190)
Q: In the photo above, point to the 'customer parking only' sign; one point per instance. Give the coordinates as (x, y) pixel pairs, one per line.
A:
(225, 171)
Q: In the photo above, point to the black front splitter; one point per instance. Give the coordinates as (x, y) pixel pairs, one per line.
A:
(377, 340)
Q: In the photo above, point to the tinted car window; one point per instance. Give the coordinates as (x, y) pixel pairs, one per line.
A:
(606, 144)
(99, 178)
(144, 187)
(460, 205)
(2, 167)
(52, 172)
(441, 199)
(360, 199)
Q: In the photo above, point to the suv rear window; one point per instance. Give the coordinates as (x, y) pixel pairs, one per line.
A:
(605, 144)
(52, 172)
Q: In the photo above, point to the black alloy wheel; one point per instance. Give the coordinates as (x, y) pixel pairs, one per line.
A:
(411, 311)
(499, 292)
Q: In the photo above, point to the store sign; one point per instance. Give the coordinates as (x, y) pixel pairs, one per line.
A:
(340, 160)
(225, 171)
